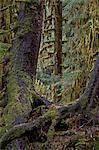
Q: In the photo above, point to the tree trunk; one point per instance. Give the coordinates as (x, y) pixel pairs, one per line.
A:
(58, 49)
(21, 70)
(58, 37)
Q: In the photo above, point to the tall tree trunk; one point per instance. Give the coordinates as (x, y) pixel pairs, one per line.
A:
(58, 48)
(20, 94)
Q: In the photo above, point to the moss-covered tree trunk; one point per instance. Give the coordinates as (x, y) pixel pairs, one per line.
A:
(21, 69)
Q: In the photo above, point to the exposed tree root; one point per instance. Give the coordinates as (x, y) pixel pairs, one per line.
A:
(23, 129)
(54, 112)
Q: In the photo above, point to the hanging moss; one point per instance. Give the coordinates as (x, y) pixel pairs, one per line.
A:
(79, 44)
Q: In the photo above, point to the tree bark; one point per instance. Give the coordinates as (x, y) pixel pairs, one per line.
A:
(58, 38)
(21, 69)
(57, 49)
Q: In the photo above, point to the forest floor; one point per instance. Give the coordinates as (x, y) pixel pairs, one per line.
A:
(86, 138)
(71, 136)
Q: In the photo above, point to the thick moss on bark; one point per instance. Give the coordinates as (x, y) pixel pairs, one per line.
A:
(22, 68)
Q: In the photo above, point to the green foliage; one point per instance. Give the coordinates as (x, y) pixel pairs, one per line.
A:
(3, 50)
(80, 32)
(4, 46)
(87, 143)
(96, 144)
(3, 32)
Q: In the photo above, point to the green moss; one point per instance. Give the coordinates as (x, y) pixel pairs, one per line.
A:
(3, 50)
(25, 26)
(12, 87)
(51, 132)
(2, 130)
(15, 107)
(83, 102)
(52, 113)
(96, 144)
(13, 110)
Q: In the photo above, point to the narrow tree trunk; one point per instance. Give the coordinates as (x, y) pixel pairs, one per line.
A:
(58, 48)
(58, 37)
